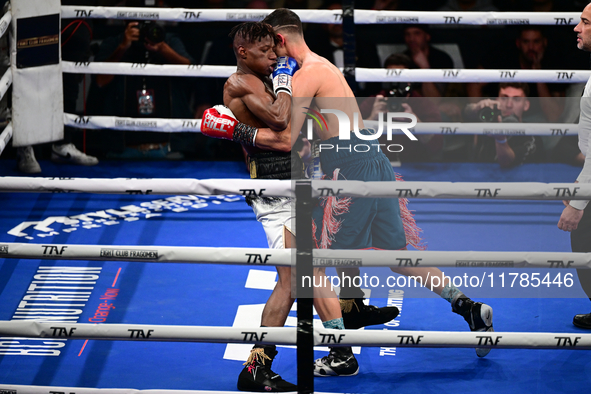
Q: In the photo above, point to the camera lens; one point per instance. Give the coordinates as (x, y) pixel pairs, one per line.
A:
(489, 115)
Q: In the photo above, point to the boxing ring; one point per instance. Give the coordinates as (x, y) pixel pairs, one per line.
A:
(103, 239)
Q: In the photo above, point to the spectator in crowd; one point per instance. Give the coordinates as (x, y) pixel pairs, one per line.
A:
(469, 5)
(405, 97)
(328, 43)
(142, 96)
(423, 55)
(509, 107)
(530, 53)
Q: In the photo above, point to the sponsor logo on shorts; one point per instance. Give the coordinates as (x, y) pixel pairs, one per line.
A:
(485, 263)
(130, 254)
(3, 249)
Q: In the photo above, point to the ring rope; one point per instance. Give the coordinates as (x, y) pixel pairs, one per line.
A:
(287, 335)
(20, 389)
(5, 137)
(284, 188)
(284, 257)
(276, 188)
(361, 74)
(5, 22)
(166, 125)
(326, 16)
(5, 82)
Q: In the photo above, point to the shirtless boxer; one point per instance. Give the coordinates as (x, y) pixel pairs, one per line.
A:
(319, 79)
(257, 101)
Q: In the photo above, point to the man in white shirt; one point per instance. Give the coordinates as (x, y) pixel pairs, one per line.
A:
(576, 216)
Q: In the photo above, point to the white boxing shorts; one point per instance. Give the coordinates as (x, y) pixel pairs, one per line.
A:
(275, 215)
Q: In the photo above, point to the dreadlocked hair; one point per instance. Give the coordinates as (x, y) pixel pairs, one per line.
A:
(253, 31)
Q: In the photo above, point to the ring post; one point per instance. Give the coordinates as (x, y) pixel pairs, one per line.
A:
(304, 268)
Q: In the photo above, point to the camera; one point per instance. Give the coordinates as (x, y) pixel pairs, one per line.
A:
(489, 114)
(398, 94)
(151, 31)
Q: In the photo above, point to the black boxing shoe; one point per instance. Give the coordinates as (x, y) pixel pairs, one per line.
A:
(257, 375)
(582, 321)
(478, 316)
(356, 314)
(339, 362)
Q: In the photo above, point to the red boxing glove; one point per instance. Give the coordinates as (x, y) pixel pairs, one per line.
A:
(220, 122)
(218, 125)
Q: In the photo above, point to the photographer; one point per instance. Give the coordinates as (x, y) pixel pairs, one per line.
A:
(509, 107)
(398, 97)
(141, 96)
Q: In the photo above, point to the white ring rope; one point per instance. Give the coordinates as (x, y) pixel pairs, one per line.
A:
(475, 190)
(5, 137)
(361, 74)
(170, 70)
(276, 188)
(194, 125)
(20, 389)
(326, 16)
(5, 22)
(284, 188)
(287, 336)
(470, 75)
(5, 82)
(286, 257)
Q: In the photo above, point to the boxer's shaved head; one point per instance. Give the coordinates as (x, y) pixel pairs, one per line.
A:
(285, 21)
(251, 32)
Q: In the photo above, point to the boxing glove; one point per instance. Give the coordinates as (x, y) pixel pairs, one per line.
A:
(283, 73)
(220, 122)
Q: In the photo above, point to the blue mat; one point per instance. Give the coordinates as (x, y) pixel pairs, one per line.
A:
(192, 294)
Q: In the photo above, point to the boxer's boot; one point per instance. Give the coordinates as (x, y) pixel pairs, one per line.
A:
(478, 316)
(339, 362)
(356, 314)
(257, 374)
